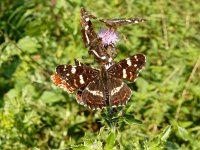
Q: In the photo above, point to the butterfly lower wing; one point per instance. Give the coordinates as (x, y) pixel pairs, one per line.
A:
(93, 95)
(120, 93)
(129, 68)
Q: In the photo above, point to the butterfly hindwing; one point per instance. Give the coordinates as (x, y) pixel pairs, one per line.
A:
(120, 93)
(93, 95)
(99, 94)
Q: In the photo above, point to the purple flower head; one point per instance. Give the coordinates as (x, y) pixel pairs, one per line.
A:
(108, 36)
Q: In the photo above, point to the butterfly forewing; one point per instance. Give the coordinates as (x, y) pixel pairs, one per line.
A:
(88, 33)
(129, 68)
(121, 22)
(75, 77)
(92, 40)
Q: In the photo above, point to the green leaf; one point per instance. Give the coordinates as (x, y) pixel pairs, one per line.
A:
(79, 147)
(28, 44)
(110, 141)
(142, 85)
(171, 146)
(131, 119)
(195, 90)
(166, 133)
(184, 134)
(50, 97)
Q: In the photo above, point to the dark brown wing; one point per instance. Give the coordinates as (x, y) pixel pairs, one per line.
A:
(88, 33)
(93, 95)
(113, 23)
(96, 95)
(120, 93)
(121, 22)
(129, 68)
(74, 77)
(92, 40)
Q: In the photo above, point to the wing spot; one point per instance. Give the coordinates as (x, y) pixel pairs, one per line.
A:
(75, 83)
(95, 53)
(87, 38)
(103, 57)
(86, 27)
(73, 70)
(136, 57)
(128, 62)
(124, 73)
(87, 19)
(115, 90)
(110, 59)
(81, 79)
(96, 93)
(131, 76)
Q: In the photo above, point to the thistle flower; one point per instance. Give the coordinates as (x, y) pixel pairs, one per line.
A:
(108, 36)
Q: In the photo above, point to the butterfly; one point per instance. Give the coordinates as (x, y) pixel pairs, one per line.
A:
(99, 88)
(102, 44)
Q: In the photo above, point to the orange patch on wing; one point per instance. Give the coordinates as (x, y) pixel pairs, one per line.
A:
(60, 83)
(75, 83)
(124, 96)
(56, 79)
(131, 76)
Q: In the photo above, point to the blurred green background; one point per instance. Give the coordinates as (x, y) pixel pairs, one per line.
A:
(164, 110)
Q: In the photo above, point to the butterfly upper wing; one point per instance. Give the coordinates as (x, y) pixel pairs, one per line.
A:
(88, 33)
(92, 40)
(74, 77)
(129, 68)
(121, 22)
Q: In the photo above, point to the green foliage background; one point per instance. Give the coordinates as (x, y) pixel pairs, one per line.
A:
(164, 111)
